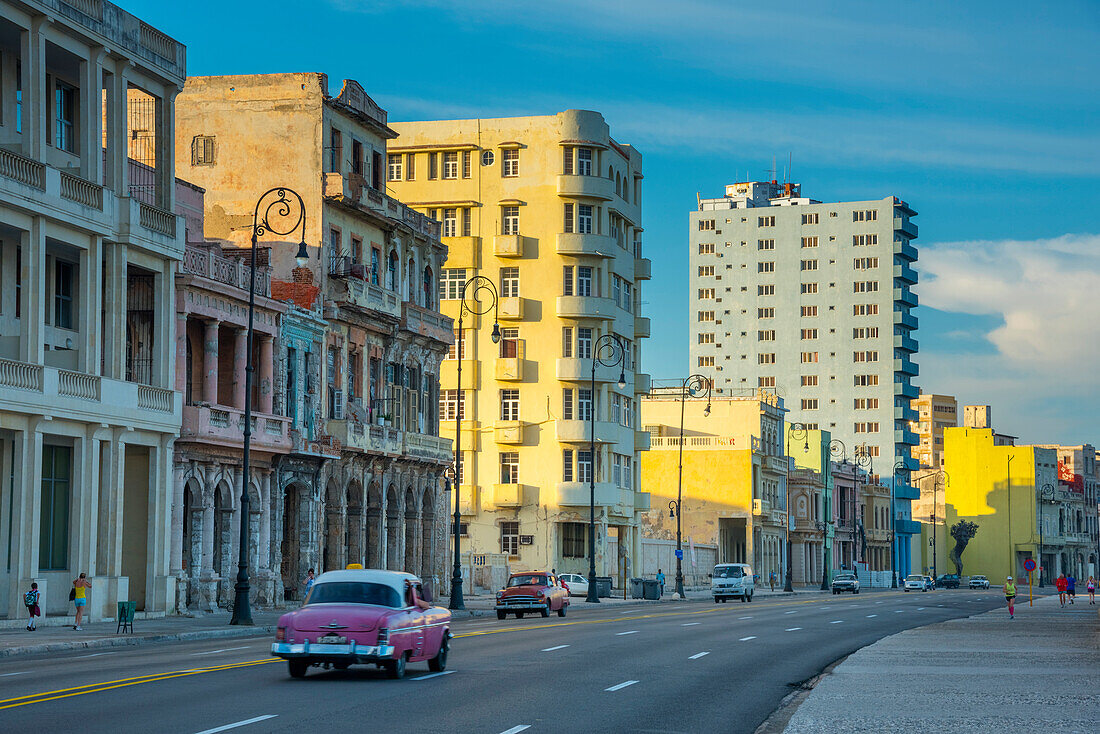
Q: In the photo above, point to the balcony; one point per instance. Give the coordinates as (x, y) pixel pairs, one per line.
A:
(906, 390)
(906, 367)
(578, 431)
(467, 500)
(906, 437)
(905, 297)
(363, 296)
(463, 252)
(643, 268)
(34, 389)
(511, 308)
(775, 464)
(426, 322)
(507, 496)
(906, 251)
(761, 507)
(643, 440)
(905, 319)
(357, 436)
(586, 187)
(586, 307)
(509, 432)
(905, 226)
(208, 262)
(905, 343)
(577, 494)
(643, 383)
(507, 245)
(905, 273)
(904, 491)
(220, 425)
(642, 501)
(572, 369)
(432, 449)
(300, 445)
(586, 245)
(904, 413)
(448, 373)
(353, 192)
(907, 527)
(510, 369)
(471, 434)
(642, 328)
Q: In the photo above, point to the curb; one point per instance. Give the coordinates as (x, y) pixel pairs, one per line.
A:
(239, 633)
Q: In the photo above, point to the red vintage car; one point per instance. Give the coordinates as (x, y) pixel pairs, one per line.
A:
(532, 591)
(364, 616)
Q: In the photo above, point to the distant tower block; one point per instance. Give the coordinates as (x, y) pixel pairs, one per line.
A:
(977, 416)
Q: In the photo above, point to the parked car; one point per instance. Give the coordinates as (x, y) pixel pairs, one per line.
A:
(978, 581)
(732, 581)
(845, 582)
(532, 591)
(929, 584)
(915, 582)
(364, 616)
(948, 581)
(576, 584)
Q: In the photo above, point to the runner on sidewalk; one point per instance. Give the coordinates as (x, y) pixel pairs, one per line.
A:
(1060, 584)
(1010, 597)
(1090, 586)
(1071, 587)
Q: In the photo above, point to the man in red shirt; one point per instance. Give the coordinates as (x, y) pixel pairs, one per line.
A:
(1060, 583)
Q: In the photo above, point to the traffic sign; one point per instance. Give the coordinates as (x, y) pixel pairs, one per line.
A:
(680, 553)
(1029, 564)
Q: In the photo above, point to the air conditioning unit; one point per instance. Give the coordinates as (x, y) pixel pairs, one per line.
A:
(338, 405)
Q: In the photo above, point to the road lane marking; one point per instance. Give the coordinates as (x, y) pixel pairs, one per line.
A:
(631, 632)
(246, 722)
(93, 655)
(878, 602)
(620, 686)
(899, 611)
(793, 629)
(224, 649)
(6, 675)
(556, 647)
(690, 624)
(871, 615)
(920, 609)
(517, 729)
(697, 655)
(836, 621)
(793, 611)
(746, 639)
(434, 675)
(744, 617)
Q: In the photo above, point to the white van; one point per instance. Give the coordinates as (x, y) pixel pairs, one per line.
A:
(732, 580)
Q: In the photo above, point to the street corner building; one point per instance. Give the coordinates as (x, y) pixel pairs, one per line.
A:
(89, 247)
(348, 460)
(549, 210)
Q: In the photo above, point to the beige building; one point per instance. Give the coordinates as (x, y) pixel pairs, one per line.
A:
(549, 209)
(89, 247)
(934, 413)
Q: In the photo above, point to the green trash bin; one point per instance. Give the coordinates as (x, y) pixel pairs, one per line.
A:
(126, 610)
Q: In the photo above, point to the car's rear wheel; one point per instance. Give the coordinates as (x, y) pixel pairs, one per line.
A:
(501, 615)
(561, 612)
(439, 663)
(297, 668)
(396, 668)
(341, 666)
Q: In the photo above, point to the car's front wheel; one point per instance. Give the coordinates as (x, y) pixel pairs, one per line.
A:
(297, 668)
(545, 612)
(501, 615)
(519, 615)
(439, 663)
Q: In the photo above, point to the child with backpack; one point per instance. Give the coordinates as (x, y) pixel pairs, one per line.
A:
(30, 600)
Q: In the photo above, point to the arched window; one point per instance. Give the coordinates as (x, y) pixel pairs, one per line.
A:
(391, 272)
(626, 189)
(618, 185)
(428, 287)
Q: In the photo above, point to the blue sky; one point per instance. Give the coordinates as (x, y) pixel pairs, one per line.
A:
(982, 115)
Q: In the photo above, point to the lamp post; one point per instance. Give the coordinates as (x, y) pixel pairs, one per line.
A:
(900, 470)
(689, 386)
(837, 448)
(277, 217)
(610, 352)
(471, 302)
(796, 430)
(1047, 492)
(865, 461)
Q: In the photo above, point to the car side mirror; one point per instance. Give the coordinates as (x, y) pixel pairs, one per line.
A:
(710, 575)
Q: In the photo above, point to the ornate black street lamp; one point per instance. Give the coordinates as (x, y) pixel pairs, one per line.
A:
(470, 302)
(865, 461)
(1045, 494)
(838, 449)
(902, 471)
(689, 386)
(610, 352)
(278, 217)
(797, 430)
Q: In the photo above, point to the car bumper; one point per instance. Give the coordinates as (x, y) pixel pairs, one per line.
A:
(522, 607)
(729, 591)
(846, 587)
(324, 651)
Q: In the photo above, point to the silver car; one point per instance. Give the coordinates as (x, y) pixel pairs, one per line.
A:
(979, 581)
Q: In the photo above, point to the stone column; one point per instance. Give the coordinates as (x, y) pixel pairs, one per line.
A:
(160, 583)
(91, 306)
(266, 371)
(240, 357)
(85, 502)
(166, 164)
(26, 511)
(91, 117)
(114, 296)
(33, 292)
(33, 66)
(164, 337)
(210, 363)
(114, 587)
(118, 173)
(181, 355)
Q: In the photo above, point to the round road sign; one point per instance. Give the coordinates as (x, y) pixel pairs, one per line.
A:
(1029, 564)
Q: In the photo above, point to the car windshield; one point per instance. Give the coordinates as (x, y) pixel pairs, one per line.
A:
(526, 580)
(845, 577)
(914, 577)
(354, 592)
(978, 578)
(728, 572)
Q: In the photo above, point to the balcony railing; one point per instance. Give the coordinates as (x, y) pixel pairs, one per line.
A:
(423, 321)
(206, 262)
(20, 375)
(428, 448)
(83, 192)
(157, 220)
(695, 442)
(91, 8)
(23, 170)
(79, 385)
(359, 193)
(155, 398)
(226, 425)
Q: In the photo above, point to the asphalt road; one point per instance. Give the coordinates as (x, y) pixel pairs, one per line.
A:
(687, 667)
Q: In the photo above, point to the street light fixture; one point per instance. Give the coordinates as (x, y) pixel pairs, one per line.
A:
(797, 430)
(1046, 493)
(865, 461)
(471, 302)
(609, 351)
(689, 386)
(900, 470)
(278, 218)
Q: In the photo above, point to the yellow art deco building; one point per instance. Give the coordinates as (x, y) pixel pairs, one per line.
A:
(549, 209)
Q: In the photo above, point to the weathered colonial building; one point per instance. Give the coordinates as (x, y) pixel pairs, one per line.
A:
(88, 252)
(373, 268)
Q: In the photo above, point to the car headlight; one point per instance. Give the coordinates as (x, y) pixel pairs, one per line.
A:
(539, 594)
(280, 634)
(500, 595)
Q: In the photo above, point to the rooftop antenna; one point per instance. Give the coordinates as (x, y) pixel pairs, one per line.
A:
(698, 200)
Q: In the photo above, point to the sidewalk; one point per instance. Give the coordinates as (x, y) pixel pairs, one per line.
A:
(985, 673)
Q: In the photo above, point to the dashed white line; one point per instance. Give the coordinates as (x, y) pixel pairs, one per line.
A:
(793, 629)
(234, 725)
(899, 611)
(620, 686)
(434, 675)
(6, 675)
(690, 624)
(871, 615)
(920, 609)
(744, 617)
(836, 621)
(793, 611)
(224, 649)
(556, 647)
(746, 639)
(878, 602)
(517, 729)
(93, 655)
(697, 655)
(631, 632)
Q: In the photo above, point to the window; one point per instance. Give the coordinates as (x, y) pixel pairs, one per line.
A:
(567, 465)
(765, 244)
(871, 356)
(450, 165)
(509, 162)
(809, 403)
(765, 358)
(866, 428)
(466, 164)
(63, 294)
(509, 468)
(865, 263)
(865, 286)
(706, 248)
(809, 333)
(64, 116)
(810, 218)
(865, 380)
(809, 265)
(868, 215)
(451, 283)
(584, 161)
(765, 290)
(809, 311)
(584, 280)
(584, 342)
(567, 404)
(573, 543)
(706, 361)
(865, 403)
(809, 288)
(584, 404)
(509, 405)
(335, 151)
(53, 534)
(860, 240)
(203, 149)
(705, 316)
(809, 357)
(765, 313)
(567, 341)
(410, 166)
(466, 216)
(809, 380)
(706, 338)
(765, 382)
(706, 225)
(705, 293)
(509, 530)
(433, 166)
(808, 242)
(765, 336)
(450, 222)
(584, 466)
(394, 170)
(765, 221)
(706, 271)
(865, 309)
(568, 224)
(584, 219)
(765, 267)
(865, 332)
(509, 220)
(509, 282)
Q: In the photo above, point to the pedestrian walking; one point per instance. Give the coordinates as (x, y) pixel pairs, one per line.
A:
(1071, 587)
(1090, 586)
(79, 597)
(661, 580)
(771, 579)
(1010, 597)
(1060, 584)
(31, 599)
(308, 583)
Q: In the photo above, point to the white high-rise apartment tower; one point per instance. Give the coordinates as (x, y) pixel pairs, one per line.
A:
(812, 300)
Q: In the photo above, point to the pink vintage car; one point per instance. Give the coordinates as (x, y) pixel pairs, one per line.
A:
(364, 616)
